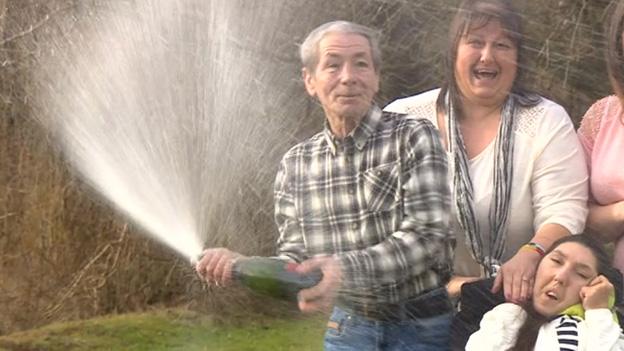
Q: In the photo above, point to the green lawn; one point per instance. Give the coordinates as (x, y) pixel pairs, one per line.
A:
(172, 330)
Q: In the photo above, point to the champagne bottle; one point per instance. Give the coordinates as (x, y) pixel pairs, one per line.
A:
(273, 277)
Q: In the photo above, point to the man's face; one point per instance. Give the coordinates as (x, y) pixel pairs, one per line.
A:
(345, 79)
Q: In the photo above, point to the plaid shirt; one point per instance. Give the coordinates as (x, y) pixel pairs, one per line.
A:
(378, 200)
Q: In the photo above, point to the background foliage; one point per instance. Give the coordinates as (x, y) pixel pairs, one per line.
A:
(66, 254)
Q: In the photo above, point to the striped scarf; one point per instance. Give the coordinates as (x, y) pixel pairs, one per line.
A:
(487, 254)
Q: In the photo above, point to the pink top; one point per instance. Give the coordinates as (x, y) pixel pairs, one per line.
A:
(602, 136)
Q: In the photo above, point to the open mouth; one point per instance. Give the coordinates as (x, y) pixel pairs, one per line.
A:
(484, 73)
(552, 295)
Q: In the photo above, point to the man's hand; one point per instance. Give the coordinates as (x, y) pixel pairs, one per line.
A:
(216, 266)
(517, 276)
(596, 294)
(320, 297)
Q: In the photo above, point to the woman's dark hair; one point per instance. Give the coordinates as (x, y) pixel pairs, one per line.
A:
(527, 335)
(615, 51)
(474, 14)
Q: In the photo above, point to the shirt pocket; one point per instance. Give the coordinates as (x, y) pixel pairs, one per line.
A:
(381, 187)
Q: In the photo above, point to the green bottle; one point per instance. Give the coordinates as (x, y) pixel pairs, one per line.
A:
(273, 277)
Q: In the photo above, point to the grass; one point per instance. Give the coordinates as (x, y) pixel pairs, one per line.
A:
(172, 329)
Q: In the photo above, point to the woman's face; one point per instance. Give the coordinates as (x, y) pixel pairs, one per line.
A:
(560, 276)
(486, 64)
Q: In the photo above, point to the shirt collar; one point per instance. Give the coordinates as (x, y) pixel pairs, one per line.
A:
(359, 134)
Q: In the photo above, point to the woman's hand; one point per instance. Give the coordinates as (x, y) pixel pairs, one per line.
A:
(517, 276)
(596, 294)
(453, 287)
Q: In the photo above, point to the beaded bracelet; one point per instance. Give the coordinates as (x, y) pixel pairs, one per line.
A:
(533, 246)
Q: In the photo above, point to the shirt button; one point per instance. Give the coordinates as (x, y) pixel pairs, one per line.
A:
(351, 191)
(355, 226)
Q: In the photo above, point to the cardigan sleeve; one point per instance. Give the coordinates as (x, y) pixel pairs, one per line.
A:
(498, 329)
(590, 125)
(603, 333)
(421, 105)
(559, 179)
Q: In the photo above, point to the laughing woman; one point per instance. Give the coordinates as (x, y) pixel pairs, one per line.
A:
(570, 307)
(519, 178)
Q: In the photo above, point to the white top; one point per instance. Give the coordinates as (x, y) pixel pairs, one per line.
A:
(499, 331)
(549, 176)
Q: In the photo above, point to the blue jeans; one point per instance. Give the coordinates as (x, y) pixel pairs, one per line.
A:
(347, 332)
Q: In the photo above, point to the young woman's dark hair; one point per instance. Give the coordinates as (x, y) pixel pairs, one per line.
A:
(474, 14)
(615, 49)
(527, 335)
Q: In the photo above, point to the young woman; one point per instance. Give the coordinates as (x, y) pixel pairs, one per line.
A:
(570, 308)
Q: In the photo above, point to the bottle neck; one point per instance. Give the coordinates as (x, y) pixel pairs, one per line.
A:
(236, 270)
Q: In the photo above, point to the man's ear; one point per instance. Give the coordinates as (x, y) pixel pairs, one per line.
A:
(309, 81)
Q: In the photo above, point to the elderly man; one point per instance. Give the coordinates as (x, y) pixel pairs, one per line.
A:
(366, 201)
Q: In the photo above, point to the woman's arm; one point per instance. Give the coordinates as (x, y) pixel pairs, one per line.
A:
(559, 183)
(498, 329)
(606, 222)
(559, 196)
(453, 287)
(603, 332)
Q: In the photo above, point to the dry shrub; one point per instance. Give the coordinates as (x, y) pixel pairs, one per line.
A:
(65, 254)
